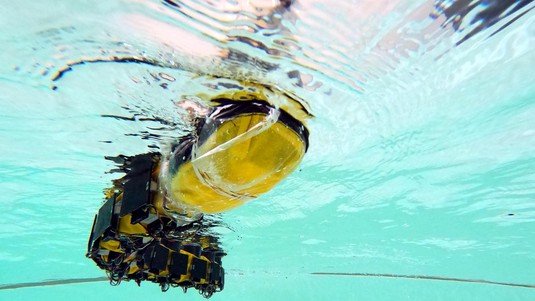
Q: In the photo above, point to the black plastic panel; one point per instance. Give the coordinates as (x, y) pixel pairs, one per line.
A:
(140, 164)
(159, 258)
(136, 193)
(155, 257)
(194, 249)
(179, 264)
(173, 245)
(139, 215)
(199, 269)
(215, 275)
(104, 218)
(91, 236)
(136, 185)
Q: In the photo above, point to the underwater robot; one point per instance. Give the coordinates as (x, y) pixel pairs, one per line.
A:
(150, 226)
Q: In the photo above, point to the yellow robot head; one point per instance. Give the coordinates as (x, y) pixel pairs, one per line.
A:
(240, 151)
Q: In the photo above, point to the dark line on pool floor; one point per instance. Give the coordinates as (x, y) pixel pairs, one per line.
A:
(52, 282)
(424, 277)
(365, 275)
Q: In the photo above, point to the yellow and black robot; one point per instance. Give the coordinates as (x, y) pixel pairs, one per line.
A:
(249, 140)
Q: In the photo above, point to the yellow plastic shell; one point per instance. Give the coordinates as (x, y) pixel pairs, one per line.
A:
(220, 180)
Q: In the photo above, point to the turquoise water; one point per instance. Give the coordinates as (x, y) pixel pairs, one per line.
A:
(422, 152)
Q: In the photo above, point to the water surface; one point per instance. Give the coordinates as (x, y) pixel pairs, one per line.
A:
(422, 145)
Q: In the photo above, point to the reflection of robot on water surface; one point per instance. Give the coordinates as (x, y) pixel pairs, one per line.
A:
(151, 227)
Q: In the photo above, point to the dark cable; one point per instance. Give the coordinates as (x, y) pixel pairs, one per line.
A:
(424, 277)
(52, 282)
(416, 277)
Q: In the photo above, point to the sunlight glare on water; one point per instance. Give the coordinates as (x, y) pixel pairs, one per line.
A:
(422, 146)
